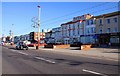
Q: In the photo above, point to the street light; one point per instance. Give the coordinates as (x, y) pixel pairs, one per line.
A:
(11, 35)
(38, 27)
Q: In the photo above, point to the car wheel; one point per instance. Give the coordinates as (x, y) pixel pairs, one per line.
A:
(26, 48)
(16, 47)
(21, 48)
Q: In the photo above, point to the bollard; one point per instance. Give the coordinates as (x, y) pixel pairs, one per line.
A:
(37, 47)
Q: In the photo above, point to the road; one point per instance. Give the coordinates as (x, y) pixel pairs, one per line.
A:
(47, 62)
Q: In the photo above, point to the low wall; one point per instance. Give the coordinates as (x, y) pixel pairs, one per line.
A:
(86, 47)
(48, 46)
(83, 47)
(62, 46)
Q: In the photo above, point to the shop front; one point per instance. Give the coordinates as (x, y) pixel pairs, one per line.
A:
(104, 39)
(115, 39)
(88, 39)
(109, 39)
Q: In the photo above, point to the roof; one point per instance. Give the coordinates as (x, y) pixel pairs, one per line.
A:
(71, 22)
(108, 14)
(99, 16)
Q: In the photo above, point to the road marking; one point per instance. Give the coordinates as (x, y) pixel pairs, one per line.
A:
(22, 53)
(19, 52)
(94, 72)
(43, 59)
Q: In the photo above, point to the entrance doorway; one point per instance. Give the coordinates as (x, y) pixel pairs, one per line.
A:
(104, 40)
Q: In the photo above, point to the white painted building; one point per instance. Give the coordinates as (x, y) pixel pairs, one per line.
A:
(56, 33)
(89, 34)
(74, 30)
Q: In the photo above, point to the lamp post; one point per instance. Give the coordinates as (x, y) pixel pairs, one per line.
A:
(12, 35)
(38, 27)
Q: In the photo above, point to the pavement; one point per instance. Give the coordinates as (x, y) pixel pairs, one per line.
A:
(100, 53)
(106, 53)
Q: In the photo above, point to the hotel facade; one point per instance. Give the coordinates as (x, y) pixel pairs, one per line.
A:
(108, 28)
(73, 30)
(88, 29)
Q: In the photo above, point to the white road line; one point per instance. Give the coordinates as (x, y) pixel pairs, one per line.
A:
(22, 53)
(93, 72)
(19, 52)
(43, 59)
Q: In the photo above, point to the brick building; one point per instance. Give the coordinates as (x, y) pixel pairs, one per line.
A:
(34, 37)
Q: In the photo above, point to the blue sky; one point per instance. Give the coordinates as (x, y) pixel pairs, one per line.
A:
(52, 14)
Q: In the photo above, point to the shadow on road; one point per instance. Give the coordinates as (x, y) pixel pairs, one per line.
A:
(12, 48)
(76, 63)
(111, 52)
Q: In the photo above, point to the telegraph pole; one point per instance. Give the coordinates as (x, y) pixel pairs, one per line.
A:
(11, 35)
(38, 27)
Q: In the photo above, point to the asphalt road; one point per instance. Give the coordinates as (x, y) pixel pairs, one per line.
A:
(44, 62)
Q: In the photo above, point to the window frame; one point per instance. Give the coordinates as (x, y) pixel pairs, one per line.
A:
(108, 21)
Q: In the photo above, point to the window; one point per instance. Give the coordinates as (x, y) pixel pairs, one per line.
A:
(115, 19)
(62, 28)
(78, 32)
(100, 21)
(88, 31)
(62, 33)
(78, 23)
(91, 22)
(78, 26)
(73, 32)
(69, 26)
(73, 26)
(100, 31)
(65, 33)
(108, 21)
(69, 33)
(65, 27)
(108, 30)
(87, 22)
(115, 30)
(93, 30)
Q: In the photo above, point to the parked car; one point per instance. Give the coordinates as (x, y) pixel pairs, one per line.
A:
(2, 43)
(32, 44)
(21, 46)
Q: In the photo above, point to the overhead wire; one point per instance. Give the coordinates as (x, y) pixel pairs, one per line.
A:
(56, 18)
(53, 19)
(91, 12)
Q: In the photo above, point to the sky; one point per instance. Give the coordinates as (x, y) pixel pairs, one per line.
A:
(18, 16)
